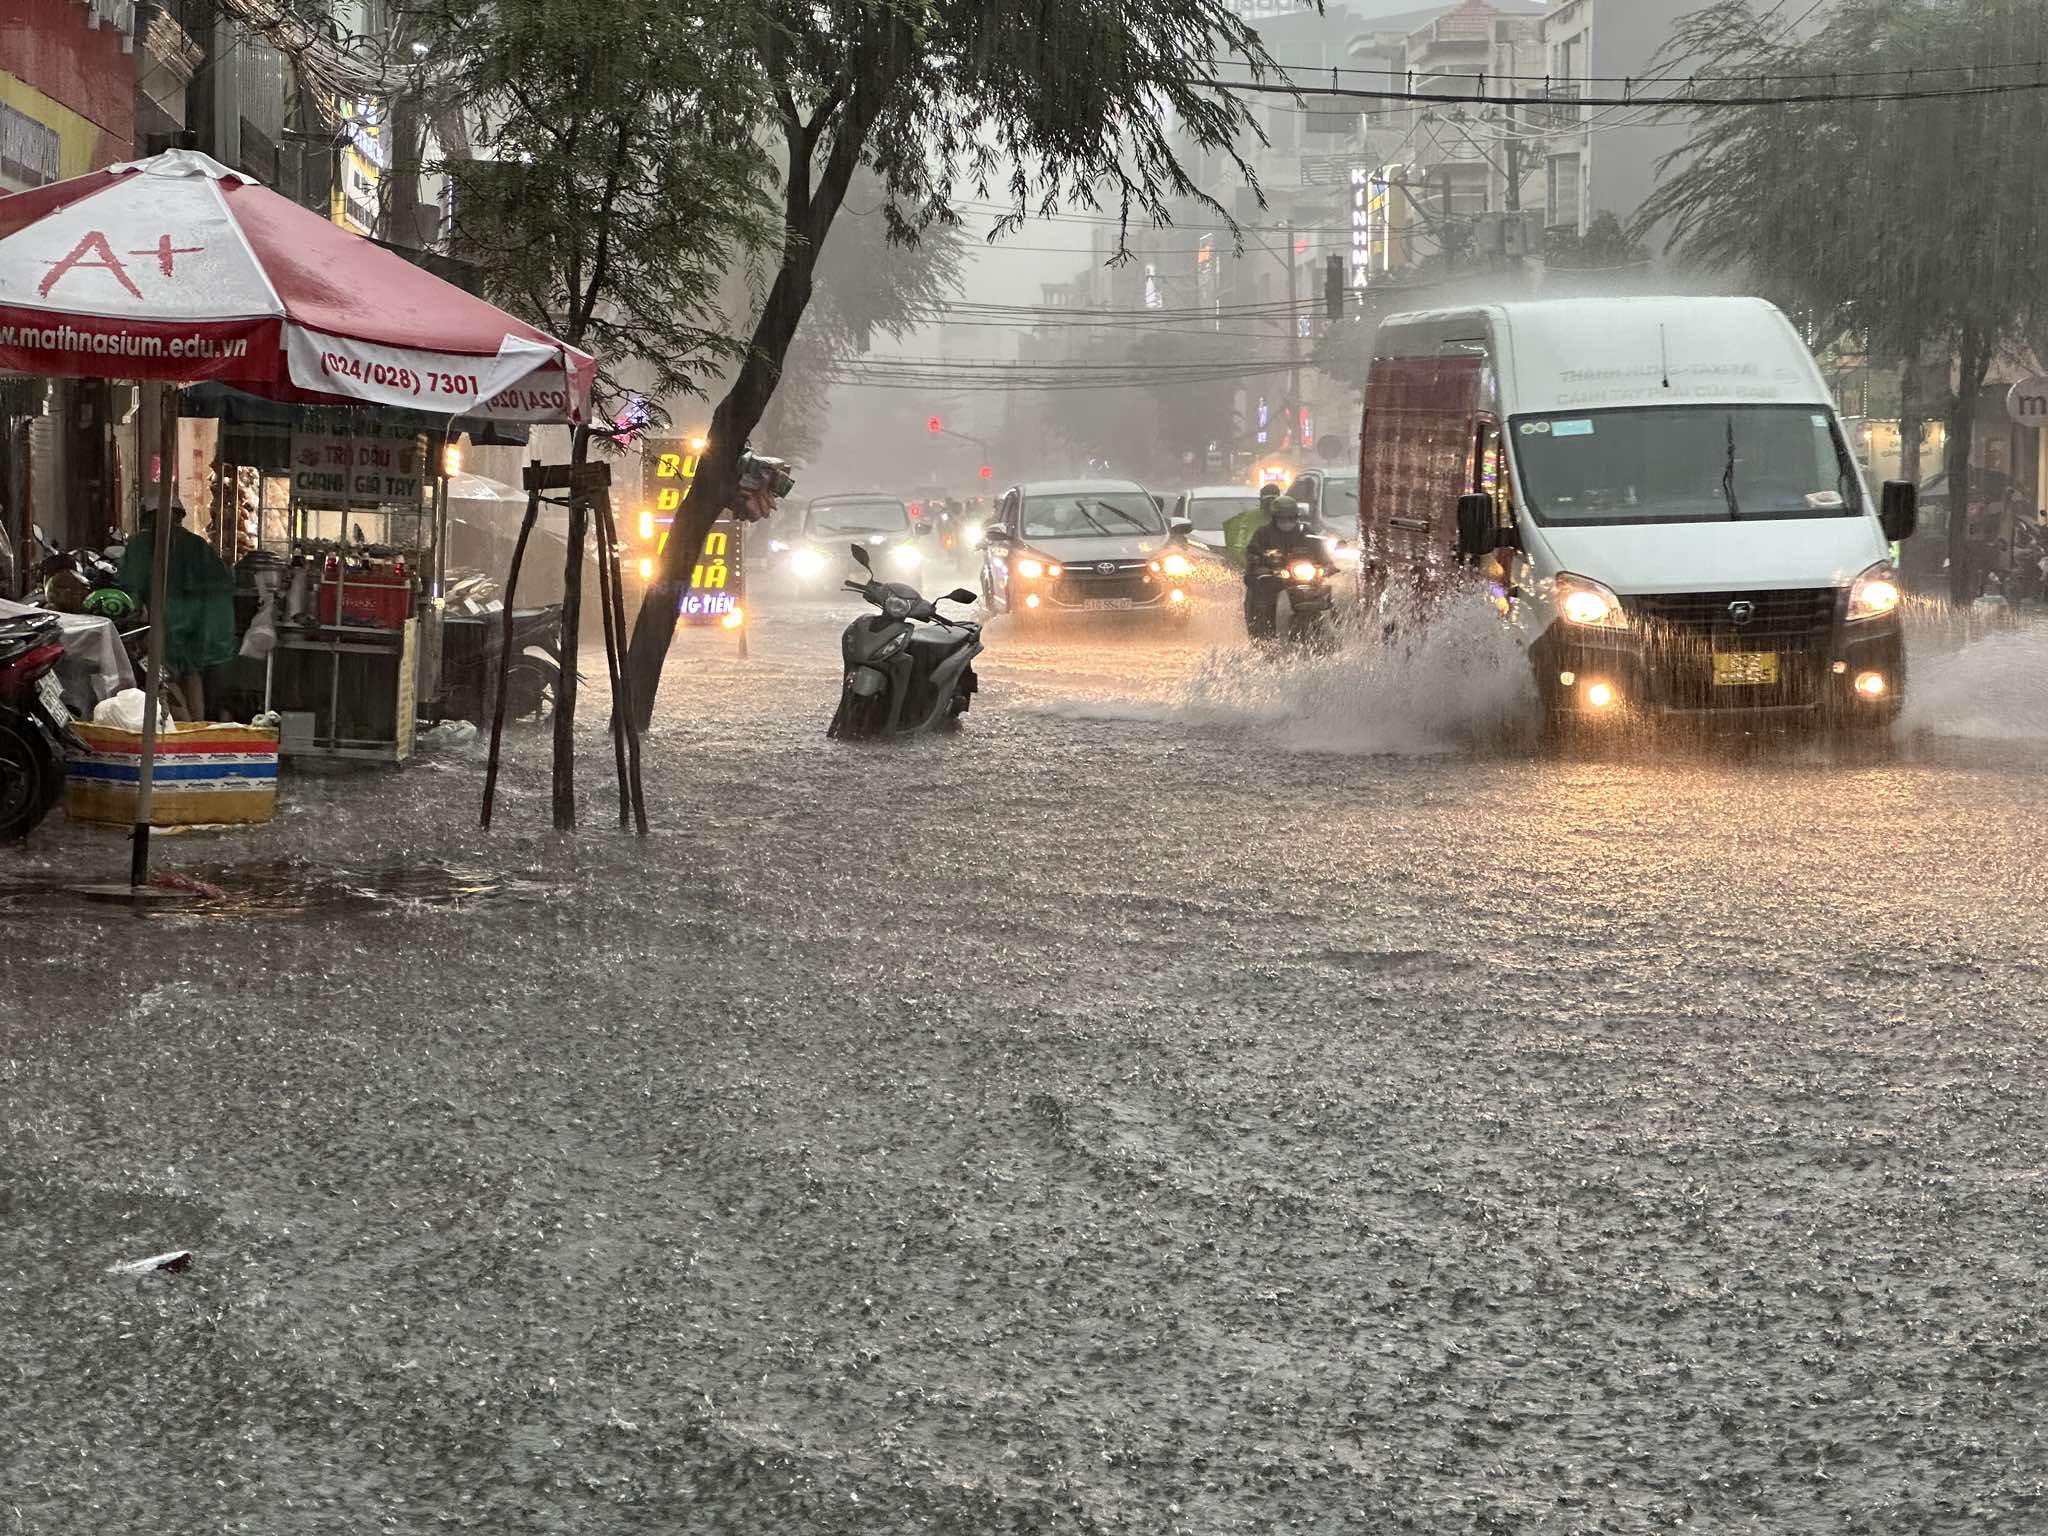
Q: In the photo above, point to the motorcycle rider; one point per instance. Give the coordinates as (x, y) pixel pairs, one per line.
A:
(1283, 539)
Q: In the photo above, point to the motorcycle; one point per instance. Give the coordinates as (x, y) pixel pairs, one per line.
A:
(1310, 602)
(472, 629)
(901, 679)
(35, 724)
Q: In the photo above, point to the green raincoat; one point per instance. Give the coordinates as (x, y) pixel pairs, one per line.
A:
(201, 613)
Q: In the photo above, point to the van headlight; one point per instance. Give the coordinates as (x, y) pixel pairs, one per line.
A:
(807, 564)
(1875, 593)
(907, 557)
(1588, 604)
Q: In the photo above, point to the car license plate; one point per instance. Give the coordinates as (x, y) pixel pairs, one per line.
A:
(1745, 669)
(1109, 602)
(51, 692)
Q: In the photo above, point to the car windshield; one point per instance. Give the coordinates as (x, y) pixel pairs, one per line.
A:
(1684, 463)
(858, 517)
(1090, 515)
(1215, 511)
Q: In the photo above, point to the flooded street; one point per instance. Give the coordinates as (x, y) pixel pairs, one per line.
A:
(1204, 1095)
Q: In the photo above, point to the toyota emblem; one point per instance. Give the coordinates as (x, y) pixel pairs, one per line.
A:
(1106, 568)
(1740, 614)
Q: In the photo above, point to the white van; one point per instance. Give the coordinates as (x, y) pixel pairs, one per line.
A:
(1659, 490)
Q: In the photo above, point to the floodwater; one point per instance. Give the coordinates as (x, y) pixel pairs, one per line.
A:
(1204, 1095)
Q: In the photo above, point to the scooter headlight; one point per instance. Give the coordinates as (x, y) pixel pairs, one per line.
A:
(1304, 570)
(1588, 604)
(896, 607)
(1875, 593)
(807, 564)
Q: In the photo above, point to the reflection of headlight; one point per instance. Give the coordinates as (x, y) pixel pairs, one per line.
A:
(1304, 570)
(1176, 564)
(1875, 594)
(808, 564)
(646, 525)
(1588, 604)
(906, 556)
(646, 569)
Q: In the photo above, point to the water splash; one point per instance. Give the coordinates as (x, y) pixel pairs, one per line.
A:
(1458, 683)
(1991, 688)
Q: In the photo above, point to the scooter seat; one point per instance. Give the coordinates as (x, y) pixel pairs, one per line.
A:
(939, 639)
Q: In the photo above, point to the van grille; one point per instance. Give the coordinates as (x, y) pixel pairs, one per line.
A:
(1682, 632)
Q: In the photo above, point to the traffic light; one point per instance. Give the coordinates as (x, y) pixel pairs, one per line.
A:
(1333, 288)
(934, 426)
(988, 472)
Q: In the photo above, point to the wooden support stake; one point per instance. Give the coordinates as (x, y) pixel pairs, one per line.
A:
(505, 646)
(627, 719)
(614, 637)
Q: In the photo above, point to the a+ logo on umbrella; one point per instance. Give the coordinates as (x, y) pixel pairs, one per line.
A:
(94, 245)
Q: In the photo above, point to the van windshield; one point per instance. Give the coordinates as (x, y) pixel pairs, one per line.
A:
(1684, 463)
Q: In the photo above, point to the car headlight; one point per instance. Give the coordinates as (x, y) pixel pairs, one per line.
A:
(1304, 570)
(1875, 593)
(906, 556)
(1176, 564)
(808, 564)
(1031, 566)
(974, 533)
(1588, 604)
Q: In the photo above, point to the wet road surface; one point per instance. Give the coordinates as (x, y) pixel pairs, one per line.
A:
(1202, 1096)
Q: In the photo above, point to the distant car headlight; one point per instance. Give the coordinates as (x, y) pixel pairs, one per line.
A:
(906, 557)
(808, 564)
(776, 546)
(1875, 593)
(1588, 604)
(1176, 564)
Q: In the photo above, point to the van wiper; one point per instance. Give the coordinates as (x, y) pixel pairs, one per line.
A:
(1728, 476)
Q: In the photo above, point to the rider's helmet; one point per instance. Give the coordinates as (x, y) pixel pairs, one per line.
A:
(1284, 512)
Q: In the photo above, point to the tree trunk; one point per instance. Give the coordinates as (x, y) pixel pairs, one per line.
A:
(1973, 362)
(807, 220)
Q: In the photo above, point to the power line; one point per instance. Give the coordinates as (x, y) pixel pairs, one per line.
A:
(1792, 99)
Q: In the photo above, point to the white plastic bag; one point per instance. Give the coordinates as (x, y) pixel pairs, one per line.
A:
(125, 711)
(261, 639)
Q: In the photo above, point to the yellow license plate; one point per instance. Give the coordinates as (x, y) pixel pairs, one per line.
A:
(1745, 669)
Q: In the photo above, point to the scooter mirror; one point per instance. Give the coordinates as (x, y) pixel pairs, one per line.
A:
(959, 595)
(860, 553)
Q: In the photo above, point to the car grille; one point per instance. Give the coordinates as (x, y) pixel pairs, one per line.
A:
(1683, 631)
(1130, 578)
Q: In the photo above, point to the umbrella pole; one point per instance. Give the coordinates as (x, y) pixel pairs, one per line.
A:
(159, 616)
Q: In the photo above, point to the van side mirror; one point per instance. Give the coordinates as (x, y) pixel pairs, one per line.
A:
(1478, 526)
(1898, 511)
(1180, 528)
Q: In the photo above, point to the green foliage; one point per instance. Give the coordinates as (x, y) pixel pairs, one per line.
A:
(1904, 222)
(618, 172)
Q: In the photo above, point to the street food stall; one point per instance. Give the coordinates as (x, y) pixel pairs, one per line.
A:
(175, 270)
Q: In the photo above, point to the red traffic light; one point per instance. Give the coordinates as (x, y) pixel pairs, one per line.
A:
(987, 473)
(932, 424)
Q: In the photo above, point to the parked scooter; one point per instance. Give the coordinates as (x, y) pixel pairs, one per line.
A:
(35, 725)
(903, 680)
(472, 625)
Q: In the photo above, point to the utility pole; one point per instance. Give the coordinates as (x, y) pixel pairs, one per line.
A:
(1293, 342)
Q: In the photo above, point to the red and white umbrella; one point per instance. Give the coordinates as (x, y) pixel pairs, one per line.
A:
(177, 268)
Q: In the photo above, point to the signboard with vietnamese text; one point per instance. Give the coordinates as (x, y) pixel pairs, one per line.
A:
(718, 581)
(370, 467)
(2027, 403)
